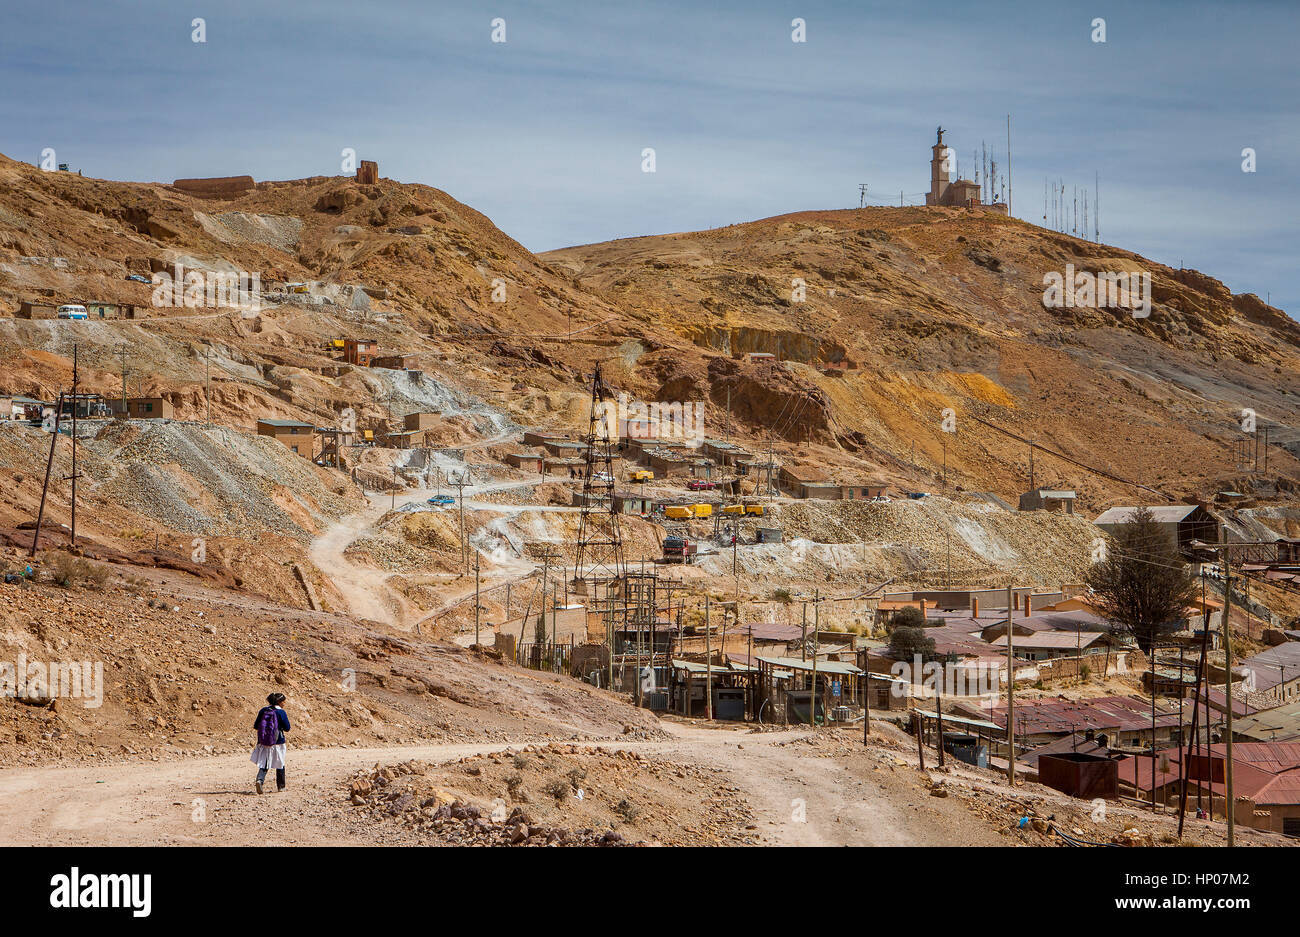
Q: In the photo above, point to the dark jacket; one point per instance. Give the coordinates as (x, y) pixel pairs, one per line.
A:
(284, 722)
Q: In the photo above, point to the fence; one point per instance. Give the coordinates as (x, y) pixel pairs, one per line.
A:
(549, 657)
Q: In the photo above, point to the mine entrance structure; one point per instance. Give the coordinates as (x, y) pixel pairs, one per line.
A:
(599, 559)
(634, 644)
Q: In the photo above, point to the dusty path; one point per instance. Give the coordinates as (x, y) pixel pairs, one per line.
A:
(366, 588)
(799, 797)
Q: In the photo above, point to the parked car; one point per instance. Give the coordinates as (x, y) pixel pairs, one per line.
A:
(137, 278)
(603, 477)
(73, 312)
(699, 484)
(918, 495)
(442, 500)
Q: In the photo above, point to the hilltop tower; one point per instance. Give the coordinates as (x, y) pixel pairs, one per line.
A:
(940, 175)
(946, 190)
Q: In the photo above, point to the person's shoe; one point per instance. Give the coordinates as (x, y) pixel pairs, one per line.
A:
(259, 787)
(279, 790)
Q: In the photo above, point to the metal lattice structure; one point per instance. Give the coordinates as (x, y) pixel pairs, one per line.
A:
(600, 542)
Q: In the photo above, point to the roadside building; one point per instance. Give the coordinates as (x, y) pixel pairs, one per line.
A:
(298, 436)
(1049, 645)
(142, 408)
(808, 481)
(527, 461)
(1266, 782)
(18, 407)
(537, 437)
(1179, 524)
(1057, 500)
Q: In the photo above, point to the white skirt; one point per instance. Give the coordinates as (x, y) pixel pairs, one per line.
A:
(268, 756)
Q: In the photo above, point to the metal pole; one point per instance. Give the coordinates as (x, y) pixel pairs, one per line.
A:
(708, 664)
(1011, 696)
(49, 463)
(1229, 801)
(476, 581)
(812, 693)
(74, 447)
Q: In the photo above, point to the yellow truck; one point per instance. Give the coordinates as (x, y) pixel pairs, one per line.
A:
(755, 509)
(733, 509)
(678, 512)
(642, 475)
(702, 510)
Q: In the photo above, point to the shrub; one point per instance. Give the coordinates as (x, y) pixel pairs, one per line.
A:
(67, 571)
(557, 789)
(627, 810)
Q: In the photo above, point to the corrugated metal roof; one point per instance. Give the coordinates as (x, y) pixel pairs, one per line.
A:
(823, 666)
(1161, 514)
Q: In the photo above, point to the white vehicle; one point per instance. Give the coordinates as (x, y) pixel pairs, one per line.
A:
(72, 312)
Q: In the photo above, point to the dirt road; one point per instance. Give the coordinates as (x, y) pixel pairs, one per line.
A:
(799, 796)
(365, 587)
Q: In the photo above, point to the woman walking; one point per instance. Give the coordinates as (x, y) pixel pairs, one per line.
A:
(271, 724)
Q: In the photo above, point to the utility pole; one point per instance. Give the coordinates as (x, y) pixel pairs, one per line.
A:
(207, 380)
(708, 663)
(803, 633)
(122, 354)
(74, 447)
(1229, 800)
(476, 582)
(1008, 211)
(1011, 696)
(812, 693)
(45, 486)
(460, 499)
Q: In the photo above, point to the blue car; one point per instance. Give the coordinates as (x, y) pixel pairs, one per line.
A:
(442, 500)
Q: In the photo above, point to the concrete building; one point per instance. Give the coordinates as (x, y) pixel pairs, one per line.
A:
(298, 436)
(142, 408)
(360, 351)
(1060, 500)
(528, 461)
(804, 481)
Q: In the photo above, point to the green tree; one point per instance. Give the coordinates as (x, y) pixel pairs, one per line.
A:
(906, 642)
(909, 616)
(1143, 586)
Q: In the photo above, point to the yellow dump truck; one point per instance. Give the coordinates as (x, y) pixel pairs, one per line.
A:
(702, 510)
(678, 512)
(642, 475)
(733, 509)
(755, 509)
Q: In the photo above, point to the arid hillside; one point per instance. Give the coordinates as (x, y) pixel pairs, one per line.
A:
(929, 308)
(905, 312)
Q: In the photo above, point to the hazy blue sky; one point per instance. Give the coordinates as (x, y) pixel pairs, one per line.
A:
(544, 133)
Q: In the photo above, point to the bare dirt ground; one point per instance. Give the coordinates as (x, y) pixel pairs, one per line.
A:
(211, 801)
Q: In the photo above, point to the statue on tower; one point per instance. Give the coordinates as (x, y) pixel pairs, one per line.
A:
(939, 142)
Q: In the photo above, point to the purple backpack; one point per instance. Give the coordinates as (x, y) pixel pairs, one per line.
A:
(268, 727)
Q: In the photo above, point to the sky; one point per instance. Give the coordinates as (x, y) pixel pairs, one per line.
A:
(545, 132)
